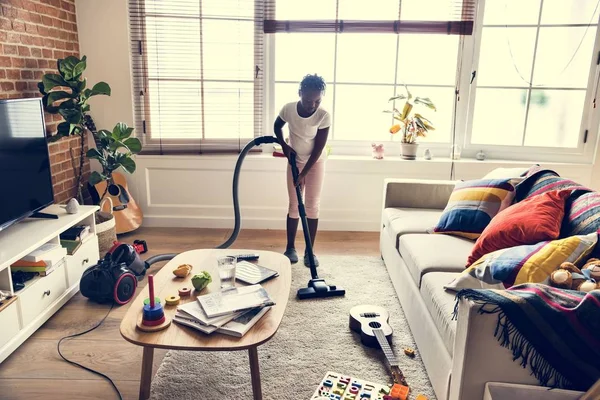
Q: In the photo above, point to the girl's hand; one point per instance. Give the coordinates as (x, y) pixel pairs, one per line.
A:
(300, 181)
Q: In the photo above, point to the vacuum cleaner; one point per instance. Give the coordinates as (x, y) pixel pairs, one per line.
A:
(113, 277)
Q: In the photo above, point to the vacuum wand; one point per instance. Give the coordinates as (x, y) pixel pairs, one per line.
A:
(303, 218)
(316, 287)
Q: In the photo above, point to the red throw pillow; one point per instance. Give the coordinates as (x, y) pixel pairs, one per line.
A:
(530, 221)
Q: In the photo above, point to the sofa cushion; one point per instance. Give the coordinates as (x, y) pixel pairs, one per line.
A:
(473, 204)
(530, 221)
(401, 221)
(440, 305)
(541, 180)
(425, 253)
(534, 263)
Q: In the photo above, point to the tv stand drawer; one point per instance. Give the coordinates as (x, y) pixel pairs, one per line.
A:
(86, 256)
(38, 296)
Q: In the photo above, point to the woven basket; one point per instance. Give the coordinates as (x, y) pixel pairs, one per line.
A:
(106, 230)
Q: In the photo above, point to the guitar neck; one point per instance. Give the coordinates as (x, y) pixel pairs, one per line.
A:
(391, 357)
(385, 346)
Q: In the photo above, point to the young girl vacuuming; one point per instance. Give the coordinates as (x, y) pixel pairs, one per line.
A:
(308, 126)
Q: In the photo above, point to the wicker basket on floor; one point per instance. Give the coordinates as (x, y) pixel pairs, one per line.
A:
(106, 231)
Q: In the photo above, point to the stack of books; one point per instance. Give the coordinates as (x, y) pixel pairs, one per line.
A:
(43, 260)
(232, 312)
(73, 237)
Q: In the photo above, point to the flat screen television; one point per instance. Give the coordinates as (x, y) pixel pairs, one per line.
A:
(25, 176)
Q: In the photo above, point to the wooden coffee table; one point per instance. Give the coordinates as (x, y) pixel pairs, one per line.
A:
(179, 337)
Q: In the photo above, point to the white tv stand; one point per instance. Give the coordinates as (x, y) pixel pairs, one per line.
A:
(33, 305)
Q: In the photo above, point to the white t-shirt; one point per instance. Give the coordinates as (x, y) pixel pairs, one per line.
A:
(304, 130)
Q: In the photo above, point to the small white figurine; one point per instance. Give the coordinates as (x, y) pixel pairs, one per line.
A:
(427, 155)
(480, 156)
(72, 206)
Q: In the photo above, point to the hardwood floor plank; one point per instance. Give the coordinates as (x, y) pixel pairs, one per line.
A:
(31, 388)
(35, 370)
(40, 358)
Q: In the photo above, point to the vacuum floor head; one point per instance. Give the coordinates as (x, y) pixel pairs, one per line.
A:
(317, 288)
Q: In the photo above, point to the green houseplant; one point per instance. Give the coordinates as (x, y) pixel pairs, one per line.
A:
(114, 150)
(412, 125)
(66, 93)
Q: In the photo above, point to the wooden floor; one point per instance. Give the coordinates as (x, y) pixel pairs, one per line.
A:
(36, 370)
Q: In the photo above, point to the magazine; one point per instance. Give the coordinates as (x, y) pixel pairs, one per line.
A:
(194, 311)
(241, 324)
(238, 299)
(192, 323)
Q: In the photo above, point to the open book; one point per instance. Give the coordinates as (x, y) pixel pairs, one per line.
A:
(230, 301)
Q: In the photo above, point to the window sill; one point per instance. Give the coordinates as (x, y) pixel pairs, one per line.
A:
(359, 158)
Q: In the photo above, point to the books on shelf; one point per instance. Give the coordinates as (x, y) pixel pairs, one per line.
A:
(232, 312)
(71, 245)
(77, 233)
(229, 301)
(46, 264)
(46, 252)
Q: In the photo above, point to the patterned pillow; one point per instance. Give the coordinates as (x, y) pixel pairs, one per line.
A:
(473, 204)
(535, 263)
(540, 180)
(582, 214)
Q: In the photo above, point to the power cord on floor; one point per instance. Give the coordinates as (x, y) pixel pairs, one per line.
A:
(84, 367)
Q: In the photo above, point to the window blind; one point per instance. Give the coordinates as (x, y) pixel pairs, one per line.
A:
(198, 73)
(452, 17)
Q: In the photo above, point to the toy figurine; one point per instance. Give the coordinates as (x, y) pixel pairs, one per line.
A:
(377, 151)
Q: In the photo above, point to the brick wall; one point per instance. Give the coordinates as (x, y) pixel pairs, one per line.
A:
(33, 35)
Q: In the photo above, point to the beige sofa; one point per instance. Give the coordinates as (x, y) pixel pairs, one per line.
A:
(460, 355)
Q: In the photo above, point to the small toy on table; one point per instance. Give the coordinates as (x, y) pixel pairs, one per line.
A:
(182, 271)
(153, 316)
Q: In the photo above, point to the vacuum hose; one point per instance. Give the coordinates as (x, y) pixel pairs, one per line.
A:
(236, 203)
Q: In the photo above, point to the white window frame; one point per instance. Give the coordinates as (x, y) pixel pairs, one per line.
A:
(584, 153)
(467, 62)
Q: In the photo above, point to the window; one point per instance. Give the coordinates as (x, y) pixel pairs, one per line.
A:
(515, 79)
(195, 69)
(364, 70)
(534, 74)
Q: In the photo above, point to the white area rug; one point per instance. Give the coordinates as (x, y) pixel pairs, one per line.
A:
(313, 338)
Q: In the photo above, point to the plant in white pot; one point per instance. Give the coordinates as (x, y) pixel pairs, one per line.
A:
(412, 125)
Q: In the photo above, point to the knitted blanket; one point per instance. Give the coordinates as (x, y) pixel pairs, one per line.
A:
(553, 331)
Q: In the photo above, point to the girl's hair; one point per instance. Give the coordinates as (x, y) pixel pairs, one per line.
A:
(312, 82)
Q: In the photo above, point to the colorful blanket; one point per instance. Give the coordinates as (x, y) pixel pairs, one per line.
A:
(555, 332)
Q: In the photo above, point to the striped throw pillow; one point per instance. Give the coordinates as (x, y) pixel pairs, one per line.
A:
(505, 268)
(582, 214)
(473, 204)
(542, 180)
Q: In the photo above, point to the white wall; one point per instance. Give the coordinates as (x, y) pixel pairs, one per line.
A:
(195, 191)
(104, 39)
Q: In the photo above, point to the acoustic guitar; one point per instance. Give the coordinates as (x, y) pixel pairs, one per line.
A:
(115, 194)
(375, 331)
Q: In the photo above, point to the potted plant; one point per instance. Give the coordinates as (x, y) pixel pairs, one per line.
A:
(114, 150)
(66, 93)
(411, 125)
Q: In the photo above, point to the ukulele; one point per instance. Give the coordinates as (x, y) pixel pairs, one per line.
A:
(372, 324)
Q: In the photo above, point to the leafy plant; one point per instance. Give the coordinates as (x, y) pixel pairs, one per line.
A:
(114, 150)
(412, 125)
(66, 93)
